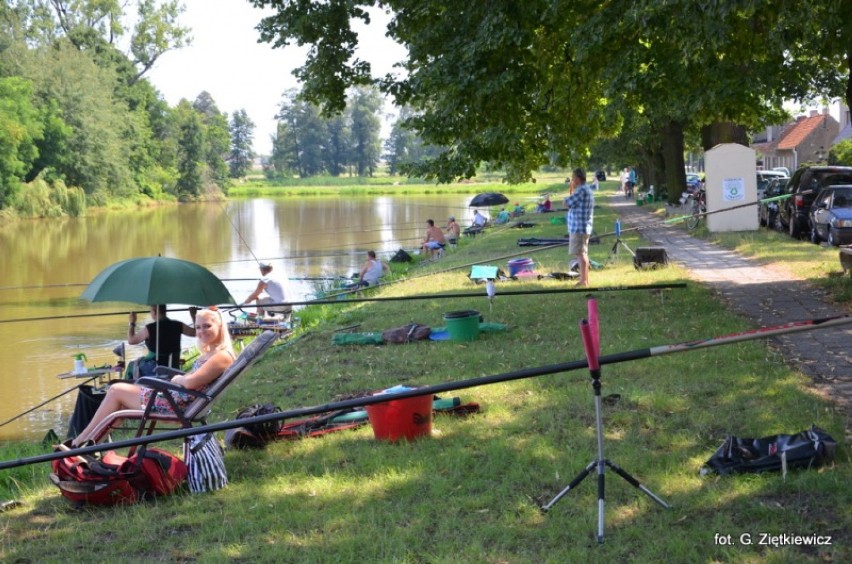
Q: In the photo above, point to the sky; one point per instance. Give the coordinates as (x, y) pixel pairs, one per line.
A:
(226, 60)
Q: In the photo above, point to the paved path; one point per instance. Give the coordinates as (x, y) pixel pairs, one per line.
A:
(768, 295)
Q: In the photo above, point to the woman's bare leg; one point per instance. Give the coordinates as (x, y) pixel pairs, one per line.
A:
(122, 395)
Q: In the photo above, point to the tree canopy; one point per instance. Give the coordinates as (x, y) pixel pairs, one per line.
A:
(522, 84)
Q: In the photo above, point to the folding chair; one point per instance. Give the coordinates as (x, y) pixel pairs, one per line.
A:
(198, 410)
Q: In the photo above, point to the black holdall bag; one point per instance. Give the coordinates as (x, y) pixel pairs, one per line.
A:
(401, 256)
(809, 448)
(256, 435)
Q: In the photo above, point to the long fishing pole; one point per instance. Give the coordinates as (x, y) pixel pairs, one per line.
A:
(793, 327)
(662, 286)
(739, 206)
(402, 226)
(45, 402)
(239, 234)
(384, 299)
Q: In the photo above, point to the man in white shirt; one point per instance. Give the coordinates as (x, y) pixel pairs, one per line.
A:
(269, 291)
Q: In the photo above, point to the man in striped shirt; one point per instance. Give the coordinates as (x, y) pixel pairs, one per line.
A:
(580, 216)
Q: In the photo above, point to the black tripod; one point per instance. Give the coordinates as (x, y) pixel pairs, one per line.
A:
(590, 342)
(613, 253)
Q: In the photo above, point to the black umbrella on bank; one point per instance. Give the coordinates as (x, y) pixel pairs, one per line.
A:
(488, 199)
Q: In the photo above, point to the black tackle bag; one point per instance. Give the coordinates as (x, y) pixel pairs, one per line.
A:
(812, 447)
(89, 400)
(401, 256)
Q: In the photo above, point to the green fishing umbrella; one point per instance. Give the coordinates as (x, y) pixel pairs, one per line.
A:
(157, 280)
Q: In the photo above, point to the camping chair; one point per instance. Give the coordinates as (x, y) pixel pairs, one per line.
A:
(198, 409)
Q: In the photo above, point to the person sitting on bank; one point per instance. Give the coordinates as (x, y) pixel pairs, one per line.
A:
(434, 239)
(479, 220)
(162, 337)
(452, 231)
(518, 210)
(269, 291)
(544, 206)
(217, 354)
(372, 270)
(502, 217)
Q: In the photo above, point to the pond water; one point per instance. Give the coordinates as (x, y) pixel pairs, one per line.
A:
(46, 265)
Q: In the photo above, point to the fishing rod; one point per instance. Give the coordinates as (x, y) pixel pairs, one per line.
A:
(299, 257)
(45, 402)
(739, 206)
(70, 284)
(385, 299)
(403, 226)
(528, 250)
(239, 234)
(637, 354)
(661, 286)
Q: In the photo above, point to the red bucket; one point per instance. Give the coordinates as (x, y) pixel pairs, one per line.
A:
(407, 418)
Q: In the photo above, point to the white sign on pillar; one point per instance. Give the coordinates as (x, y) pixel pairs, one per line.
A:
(731, 181)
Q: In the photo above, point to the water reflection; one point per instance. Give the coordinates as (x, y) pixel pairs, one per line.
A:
(47, 264)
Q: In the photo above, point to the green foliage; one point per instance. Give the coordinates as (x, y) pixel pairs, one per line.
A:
(841, 154)
(43, 198)
(191, 153)
(98, 125)
(521, 85)
(242, 129)
(20, 129)
(404, 147)
(364, 107)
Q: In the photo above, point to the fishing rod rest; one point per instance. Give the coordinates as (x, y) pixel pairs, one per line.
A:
(591, 345)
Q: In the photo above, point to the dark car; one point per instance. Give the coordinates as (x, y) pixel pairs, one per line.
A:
(767, 212)
(803, 188)
(831, 216)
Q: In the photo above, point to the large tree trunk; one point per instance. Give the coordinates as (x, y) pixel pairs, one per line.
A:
(848, 83)
(723, 132)
(675, 173)
(652, 171)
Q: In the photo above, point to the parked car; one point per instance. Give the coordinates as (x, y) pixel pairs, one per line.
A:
(783, 169)
(767, 212)
(763, 179)
(831, 216)
(803, 188)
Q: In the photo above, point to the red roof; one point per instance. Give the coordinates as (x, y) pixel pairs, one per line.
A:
(800, 132)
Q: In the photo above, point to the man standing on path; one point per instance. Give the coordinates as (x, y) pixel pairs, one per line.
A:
(580, 216)
(269, 291)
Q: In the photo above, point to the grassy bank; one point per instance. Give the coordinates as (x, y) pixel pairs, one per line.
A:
(472, 491)
(390, 185)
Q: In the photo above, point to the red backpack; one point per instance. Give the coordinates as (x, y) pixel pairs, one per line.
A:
(115, 479)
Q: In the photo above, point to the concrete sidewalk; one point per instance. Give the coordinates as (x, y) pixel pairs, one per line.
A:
(767, 295)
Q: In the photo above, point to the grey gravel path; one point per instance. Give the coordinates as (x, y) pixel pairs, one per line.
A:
(767, 295)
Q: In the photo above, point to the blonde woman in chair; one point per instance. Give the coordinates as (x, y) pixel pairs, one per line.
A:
(217, 354)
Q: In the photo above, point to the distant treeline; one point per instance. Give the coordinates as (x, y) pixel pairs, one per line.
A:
(308, 143)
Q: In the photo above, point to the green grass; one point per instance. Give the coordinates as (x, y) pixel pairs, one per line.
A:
(472, 491)
(390, 185)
